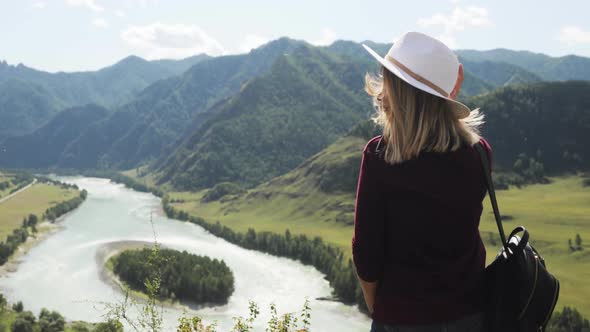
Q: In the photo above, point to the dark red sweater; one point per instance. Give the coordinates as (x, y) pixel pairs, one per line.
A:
(416, 232)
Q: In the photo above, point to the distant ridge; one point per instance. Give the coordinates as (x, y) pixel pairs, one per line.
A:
(34, 96)
(569, 67)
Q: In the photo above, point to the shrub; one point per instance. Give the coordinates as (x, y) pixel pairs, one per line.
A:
(24, 322)
(568, 320)
(222, 189)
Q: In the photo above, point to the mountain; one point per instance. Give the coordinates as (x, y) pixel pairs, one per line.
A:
(178, 67)
(43, 148)
(498, 74)
(24, 106)
(548, 121)
(570, 67)
(473, 85)
(142, 129)
(109, 86)
(307, 100)
(175, 124)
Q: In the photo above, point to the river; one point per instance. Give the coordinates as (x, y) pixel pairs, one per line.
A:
(62, 273)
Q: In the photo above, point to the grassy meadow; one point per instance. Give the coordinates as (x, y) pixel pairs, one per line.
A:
(553, 213)
(35, 199)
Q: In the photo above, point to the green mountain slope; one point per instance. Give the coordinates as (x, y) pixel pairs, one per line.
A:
(24, 106)
(499, 74)
(108, 87)
(43, 147)
(549, 122)
(307, 100)
(158, 117)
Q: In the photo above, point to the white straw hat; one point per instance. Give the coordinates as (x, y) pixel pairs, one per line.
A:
(424, 63)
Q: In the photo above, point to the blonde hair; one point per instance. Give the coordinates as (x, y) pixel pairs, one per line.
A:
(414, 121)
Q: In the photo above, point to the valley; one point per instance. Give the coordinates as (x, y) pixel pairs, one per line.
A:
(253, 159)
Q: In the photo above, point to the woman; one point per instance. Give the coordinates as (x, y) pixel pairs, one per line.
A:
(416, 246)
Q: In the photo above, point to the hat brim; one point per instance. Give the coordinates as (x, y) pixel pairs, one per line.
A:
(460, 110)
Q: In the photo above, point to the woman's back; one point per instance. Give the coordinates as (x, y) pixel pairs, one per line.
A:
(416, 247)
(429, 256)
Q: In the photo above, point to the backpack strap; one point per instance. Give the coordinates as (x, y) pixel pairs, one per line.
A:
(492, 193)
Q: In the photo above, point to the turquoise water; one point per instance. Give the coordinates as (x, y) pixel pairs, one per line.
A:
(63, 273)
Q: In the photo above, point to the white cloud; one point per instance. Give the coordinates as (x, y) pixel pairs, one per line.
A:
(142, 3)
(119, 13)
(100, 23)
(328, 37)
(39, 5)
(250, 42)
(90, 4)
(159, 40)
(460, 19)
(574, 35)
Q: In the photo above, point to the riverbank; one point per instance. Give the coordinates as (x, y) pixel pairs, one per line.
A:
(44, 230)
(33, 200)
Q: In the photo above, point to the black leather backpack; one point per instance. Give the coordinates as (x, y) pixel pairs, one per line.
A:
(521, 293)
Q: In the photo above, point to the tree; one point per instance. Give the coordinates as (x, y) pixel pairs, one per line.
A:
(2, 303)
(578, 242)
(568, 320)
(32, 220)
(51, 321)
(18, 306)
(23, 322)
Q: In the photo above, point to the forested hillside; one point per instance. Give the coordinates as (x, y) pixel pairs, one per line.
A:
(547, 122)
(44, 147)
(308, 99)
(143, 128)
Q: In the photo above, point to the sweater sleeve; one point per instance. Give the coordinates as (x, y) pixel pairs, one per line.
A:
(367, 242)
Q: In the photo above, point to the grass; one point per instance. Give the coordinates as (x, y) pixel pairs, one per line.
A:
(7, 316)
(553, 213)
(35, 200)
(141, 175)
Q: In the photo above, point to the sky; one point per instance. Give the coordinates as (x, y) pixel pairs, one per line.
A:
(79, 35)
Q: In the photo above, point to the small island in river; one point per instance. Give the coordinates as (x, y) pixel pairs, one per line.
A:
(183, 276)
